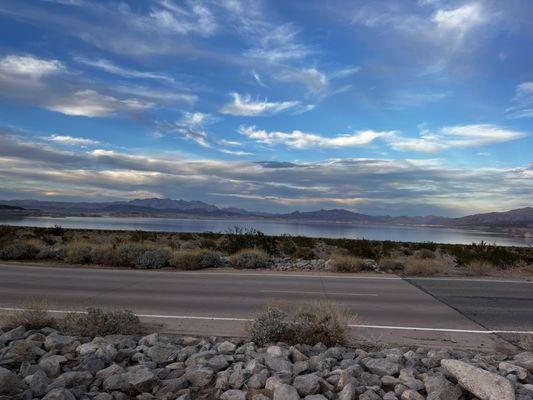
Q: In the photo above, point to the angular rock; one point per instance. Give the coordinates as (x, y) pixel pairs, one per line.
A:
(508, 368)
(56, 341)
(381, 366)
(14, 334)
(483, 384)
(199, 375)
(39, 383)
(307, 384)
(285, 392)
(52, 365)
(410, 394)
(226, 347)
(8, 381)
(233, 394)
(162, 353)
(524, 360)
(440, 388)
(59, 394)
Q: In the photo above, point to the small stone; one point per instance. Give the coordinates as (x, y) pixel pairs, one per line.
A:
(226, 347)
(199, 375)
(52, 365)
(381, 366)
(13, 334)
(410, 394)
(508, 368)
(307, 384)
(59, 394)
(524, 360)
(8, 381)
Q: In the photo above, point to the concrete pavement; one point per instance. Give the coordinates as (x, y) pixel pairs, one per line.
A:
(218, 303)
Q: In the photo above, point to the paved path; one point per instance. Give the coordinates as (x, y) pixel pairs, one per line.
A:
(389, 308)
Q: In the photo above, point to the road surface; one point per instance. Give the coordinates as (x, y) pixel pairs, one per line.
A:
(389, 308)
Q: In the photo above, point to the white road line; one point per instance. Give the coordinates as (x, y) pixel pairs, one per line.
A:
(468, 280)
(193, 317)
(326, 294)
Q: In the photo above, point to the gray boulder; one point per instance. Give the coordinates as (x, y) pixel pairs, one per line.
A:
(226, 347)
(285, 392)
(524, 360)
(440, 388)
(233, 394)
(39, 383)
(162, 353)
(199, 375)
(59, 394)
(8, 381)
(483, 384)
(14, 334)
(56, 341)
(52, 365)
(307, 384)
(381, 366)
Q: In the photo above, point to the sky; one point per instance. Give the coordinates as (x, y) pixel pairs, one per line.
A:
(409, 107)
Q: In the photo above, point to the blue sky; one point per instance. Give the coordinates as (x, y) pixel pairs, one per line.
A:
(408, 107)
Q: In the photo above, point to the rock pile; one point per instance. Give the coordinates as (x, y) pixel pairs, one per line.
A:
(45, 364)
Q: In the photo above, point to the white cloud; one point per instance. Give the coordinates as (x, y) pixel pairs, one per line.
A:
(192, 126)
(244, 106)
(89, 103)
(301, 140)
(108, 66)
(70, 140)
(29, 66)
(523, 101)
(459, 20)
(195, 18)
(236, 152)
(453, 136)
(315, 80)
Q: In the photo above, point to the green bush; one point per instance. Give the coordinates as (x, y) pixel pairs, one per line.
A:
(425, 254)
(197, 259)
(250, 259)
(305, 253)
(50, 253)
(268, 326)
(18, 250)
(392, 264)
(140, 236)
(153, 259)
(238, 239)
(103, 255)
(97, 322)
(128, 253)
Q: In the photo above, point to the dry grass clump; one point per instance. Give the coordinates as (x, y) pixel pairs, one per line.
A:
(250, 259)
(479, 267)
(78, 252)
(417, 266)
(98, 322)
(32, 314)
(196, 259)
(425, 254)
(392, 264)
(346, 263)
(528, 269)
(320, 321)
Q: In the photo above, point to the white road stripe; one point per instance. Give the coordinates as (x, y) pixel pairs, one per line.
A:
(323, 293)
(467, 280)
(193, 317)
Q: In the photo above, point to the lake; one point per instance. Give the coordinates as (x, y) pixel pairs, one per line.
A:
(311, 229)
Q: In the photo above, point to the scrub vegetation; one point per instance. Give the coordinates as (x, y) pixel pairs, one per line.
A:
(251, 249)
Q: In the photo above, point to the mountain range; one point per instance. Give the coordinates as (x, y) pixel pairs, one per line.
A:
(518, 220)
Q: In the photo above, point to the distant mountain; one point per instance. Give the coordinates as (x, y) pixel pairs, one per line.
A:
(519, 219)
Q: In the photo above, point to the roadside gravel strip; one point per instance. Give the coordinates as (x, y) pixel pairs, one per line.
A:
(390, 309)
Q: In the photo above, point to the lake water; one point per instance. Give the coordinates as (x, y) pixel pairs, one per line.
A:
(329, 230)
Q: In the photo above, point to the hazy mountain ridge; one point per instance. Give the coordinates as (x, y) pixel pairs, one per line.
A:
(156, 207)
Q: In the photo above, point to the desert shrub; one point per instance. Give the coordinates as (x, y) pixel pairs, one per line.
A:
(97, 322)
(32, 314)
(18, 250)
(425, 254)
(321, 321)
(268, 326)
(207, 243)
(392, 264)
(153, 259)
(78, 253)
(286, 245)
(239, 239)
(310, 323)
(417, 266)
(56, 230)
(103, 255)
(197, 259)
(528, 269)
(250, 259)
(50, 253)
(305, 253)
(500, 256)
(127, 253)
(346, 263)
(479, 267)
(140, 236)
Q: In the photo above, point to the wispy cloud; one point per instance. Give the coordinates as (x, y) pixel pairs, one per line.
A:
(192, 126)
(72, 141)
(432, 141)
(110, 67)
(89, 103)
(522, 101)
(301, 140)
(245, 106)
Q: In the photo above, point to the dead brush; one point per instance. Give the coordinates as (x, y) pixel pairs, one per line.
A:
(31, 313)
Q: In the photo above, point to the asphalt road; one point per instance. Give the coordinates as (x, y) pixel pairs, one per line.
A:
(389, 308)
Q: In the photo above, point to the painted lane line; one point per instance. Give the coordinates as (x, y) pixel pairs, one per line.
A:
(193, 317)
(467, 280)
(322, 293)
(414, 328)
